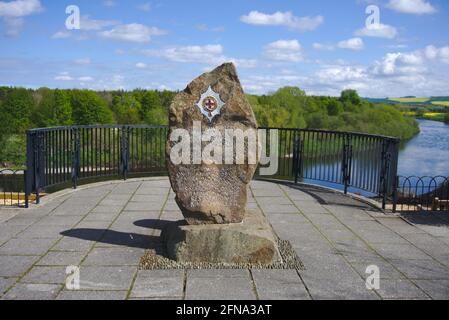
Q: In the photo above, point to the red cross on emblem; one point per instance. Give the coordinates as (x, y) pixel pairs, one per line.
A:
(210, 104)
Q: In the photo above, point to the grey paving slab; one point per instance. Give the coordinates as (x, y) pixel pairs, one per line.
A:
(422, 269)
(152, 191)
(218, 273)
(436, 289)
(26, 246)
(143, 206)
(400, 289)
(32, 291)
(219, 288)
(59, 221)
(73, 244)
(91, 295)
(114, 257)
(386, 269)
(400, 251)
(106, 278)
(107, 209)
(5, 284)
(42, 232)
(279, 285)
(341, 286)
(158, 283)
(45, 274)
(335, 237)
(100, 217)
(279, 208)
(61, 258)
(21, 220)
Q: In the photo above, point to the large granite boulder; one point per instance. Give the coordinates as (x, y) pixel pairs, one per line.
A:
(211, 193)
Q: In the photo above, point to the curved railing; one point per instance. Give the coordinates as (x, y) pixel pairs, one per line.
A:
(422, 193)
(11, 187)
(63, 156)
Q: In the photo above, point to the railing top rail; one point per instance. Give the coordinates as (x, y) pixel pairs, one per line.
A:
(93, 126)
(144, 126)
(336, 132)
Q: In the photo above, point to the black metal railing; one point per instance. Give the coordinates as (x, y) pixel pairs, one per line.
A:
(362, 162)
(12, 188)
(69, 155)
(421, 194)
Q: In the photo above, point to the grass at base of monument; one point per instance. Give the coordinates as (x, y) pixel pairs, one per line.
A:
(156, 261)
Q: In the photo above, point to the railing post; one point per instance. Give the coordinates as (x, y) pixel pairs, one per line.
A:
(384, 170)
(124, 151)
(347, 162)
(395, 193)
(38, 153)
(75, 156)
(297, 155)
(30, 168)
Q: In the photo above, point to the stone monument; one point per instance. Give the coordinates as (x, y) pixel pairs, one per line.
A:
(212, 195)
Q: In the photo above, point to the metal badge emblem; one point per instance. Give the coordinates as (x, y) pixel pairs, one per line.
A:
(210, 104)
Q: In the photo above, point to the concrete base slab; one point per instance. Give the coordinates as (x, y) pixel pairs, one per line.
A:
(251, 241)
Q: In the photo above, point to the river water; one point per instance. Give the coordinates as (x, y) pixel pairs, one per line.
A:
(427, 154)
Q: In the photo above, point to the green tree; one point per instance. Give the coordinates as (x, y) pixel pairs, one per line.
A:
(89, 108)
(126, 109)
(350, 96)
(335, 108)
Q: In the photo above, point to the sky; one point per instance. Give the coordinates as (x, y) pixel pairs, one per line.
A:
(381, 48)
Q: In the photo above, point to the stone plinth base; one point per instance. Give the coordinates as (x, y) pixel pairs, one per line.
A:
(251, 241)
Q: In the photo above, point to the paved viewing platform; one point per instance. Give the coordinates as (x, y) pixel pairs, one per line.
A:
(105, 229)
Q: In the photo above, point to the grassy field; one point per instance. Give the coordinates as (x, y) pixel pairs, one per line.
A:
(441, 103)
(436, 116)
(410, 100)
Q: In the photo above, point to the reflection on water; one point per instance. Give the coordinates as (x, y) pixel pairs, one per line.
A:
(428, 153)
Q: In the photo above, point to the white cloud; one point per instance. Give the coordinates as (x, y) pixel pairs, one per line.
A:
(132, 32)
(19, 8)
(141, 65)
(284, 50)
(61, 35)
(13, 26)
(412, 6)
(378, 30)
(341, 73)
(393, 64)
(63, 76)
(145, 7)
(83, 61)
(13, 12)
(286, 19)
(434, 53)
(242, 63)
(205, 27)
(352, 44)
(323, 46)
(86, 79)
(109, 3)
(88, 24)
(209, 54)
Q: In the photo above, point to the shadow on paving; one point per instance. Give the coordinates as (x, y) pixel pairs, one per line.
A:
(436, 219)
(329, 197)
(128, 239)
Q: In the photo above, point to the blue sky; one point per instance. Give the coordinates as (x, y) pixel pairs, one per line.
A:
(322, 47)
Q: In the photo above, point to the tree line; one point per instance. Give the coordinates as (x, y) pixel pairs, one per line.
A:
(288, 107)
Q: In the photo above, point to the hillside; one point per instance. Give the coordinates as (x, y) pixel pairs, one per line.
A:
(289, 107)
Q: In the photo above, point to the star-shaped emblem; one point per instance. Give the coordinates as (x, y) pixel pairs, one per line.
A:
(210, 104)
